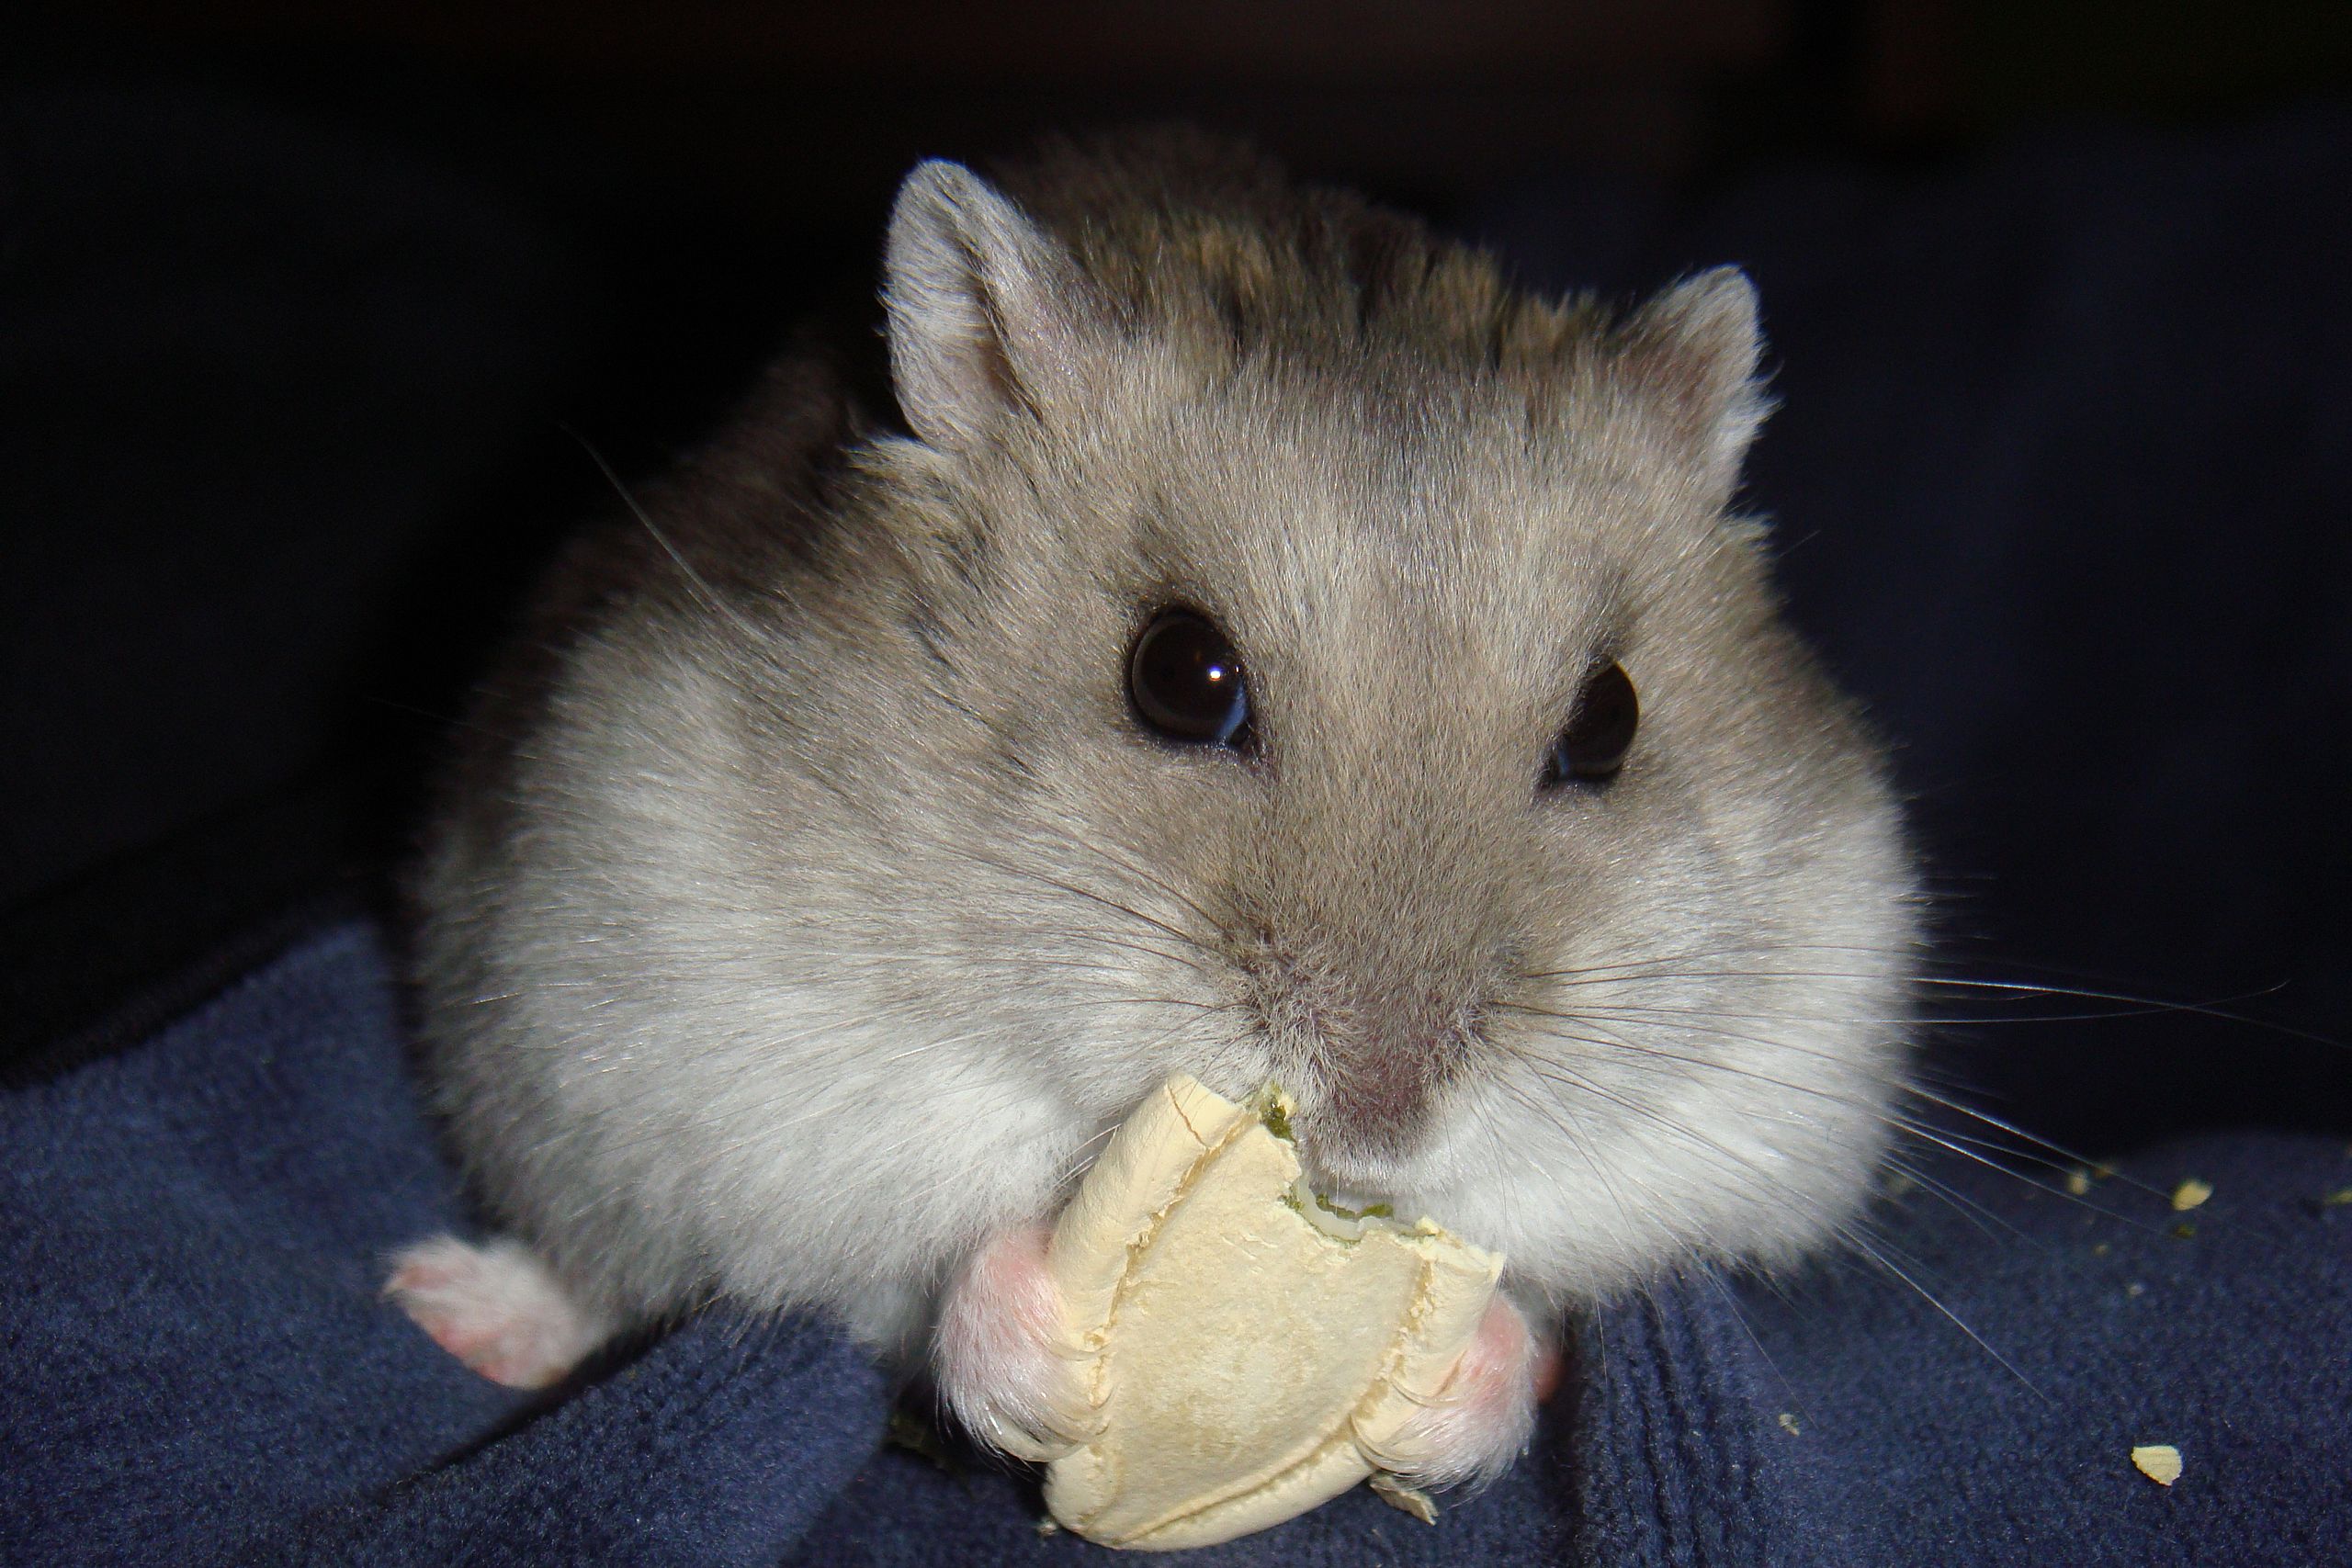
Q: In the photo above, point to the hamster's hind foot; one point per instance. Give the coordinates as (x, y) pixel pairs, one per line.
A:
(495, 1307)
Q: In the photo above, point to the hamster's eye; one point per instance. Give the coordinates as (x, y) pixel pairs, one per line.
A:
(1593, 747)
(1186, 683)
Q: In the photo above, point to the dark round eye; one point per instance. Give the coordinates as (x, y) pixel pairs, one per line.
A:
(1594, 745)
(1186, 682)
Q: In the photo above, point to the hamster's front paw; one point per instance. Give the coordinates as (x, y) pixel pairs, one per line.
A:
(997, 1353)
(1483, 1417)
(497, 1308)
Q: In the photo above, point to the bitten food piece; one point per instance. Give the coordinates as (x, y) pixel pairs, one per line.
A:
(1247, 1350)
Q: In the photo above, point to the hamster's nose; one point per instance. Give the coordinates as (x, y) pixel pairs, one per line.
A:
(1375, 1100)
(1375, 1073)
(1366, 1051)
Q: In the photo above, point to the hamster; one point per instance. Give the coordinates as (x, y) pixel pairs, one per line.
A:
(1274, 649)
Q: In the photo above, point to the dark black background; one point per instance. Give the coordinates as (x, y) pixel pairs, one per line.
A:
(300, 306)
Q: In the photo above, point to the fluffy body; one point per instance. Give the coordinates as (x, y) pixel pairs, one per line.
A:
(813, 900)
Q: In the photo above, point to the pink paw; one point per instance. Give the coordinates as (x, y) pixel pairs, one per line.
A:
(497, 1308)
(996, 1354)
(1482, 1418)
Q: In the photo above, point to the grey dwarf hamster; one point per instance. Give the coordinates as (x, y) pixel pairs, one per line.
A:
(1275, 648)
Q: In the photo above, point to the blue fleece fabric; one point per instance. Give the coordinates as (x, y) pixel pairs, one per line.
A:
(198, 1366)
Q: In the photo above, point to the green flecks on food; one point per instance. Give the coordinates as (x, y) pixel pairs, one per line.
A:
(1273, 1110)
(1369, 1212)
(1342, 1226)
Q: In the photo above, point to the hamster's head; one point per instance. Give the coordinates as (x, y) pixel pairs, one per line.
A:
(1347, 673)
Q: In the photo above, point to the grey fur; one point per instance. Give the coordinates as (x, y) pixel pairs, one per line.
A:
(815, 900)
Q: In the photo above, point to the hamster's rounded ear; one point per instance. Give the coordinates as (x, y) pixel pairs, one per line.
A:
(1694, 351)
(982, 306)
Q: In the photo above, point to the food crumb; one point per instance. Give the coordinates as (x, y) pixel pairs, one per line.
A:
(2186, 1230)
(2189, 1194)
(1789, 1423)
(2160, 1462)
(2100, 1249)
(1405, 1499)
(2337, 1198)
(2079, 1181)
(2135, 1289)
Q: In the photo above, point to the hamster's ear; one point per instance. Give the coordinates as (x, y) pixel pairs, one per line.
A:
(1693, 351)
(982, 307)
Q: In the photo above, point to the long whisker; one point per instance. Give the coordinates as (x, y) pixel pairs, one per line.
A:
(1089, 894)
(1730, 1300)
(1952, 1317)
(1953, 1142)
(1128, 863)
(1757, 950)
(1585, 1152)
(1880, 1253)
(694, 577)
(2126, 1004)
(2033, 1142)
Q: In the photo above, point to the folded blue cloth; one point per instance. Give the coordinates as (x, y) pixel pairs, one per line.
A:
(198, 1366)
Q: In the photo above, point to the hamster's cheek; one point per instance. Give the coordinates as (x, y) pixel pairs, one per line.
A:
(994, 1351)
